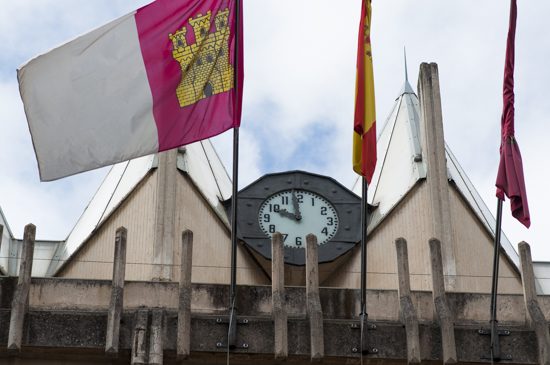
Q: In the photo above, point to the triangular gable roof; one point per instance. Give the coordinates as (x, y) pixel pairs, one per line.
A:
(400, 165)
(468, 191)
(199, 160)
(400, 168)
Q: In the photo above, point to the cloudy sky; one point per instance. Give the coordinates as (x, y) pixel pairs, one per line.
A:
(299, 89)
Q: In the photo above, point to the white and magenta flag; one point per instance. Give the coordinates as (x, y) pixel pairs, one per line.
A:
(158, 78)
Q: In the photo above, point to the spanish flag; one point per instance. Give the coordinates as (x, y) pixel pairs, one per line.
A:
(364, 124)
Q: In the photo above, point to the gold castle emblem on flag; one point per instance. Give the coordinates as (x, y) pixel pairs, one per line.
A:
(205, 68)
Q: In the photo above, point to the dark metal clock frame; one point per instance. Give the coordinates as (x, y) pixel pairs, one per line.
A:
(345, 202)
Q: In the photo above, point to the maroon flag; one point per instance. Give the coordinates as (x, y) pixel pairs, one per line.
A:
(510, 179)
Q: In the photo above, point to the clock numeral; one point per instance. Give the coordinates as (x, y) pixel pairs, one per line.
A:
(312, 202)
(298, 241)
(284, 200)
(271, 228)
(300, 198)
(323, 210)
(267, 218)
(285, 235)
(274, 207)
(325, 231)
(330, 221)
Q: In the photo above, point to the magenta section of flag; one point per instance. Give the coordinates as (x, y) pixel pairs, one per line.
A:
(510, 179)
(179, 125)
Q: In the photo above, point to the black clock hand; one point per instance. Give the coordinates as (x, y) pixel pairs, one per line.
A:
(286, 213)
(296, 205)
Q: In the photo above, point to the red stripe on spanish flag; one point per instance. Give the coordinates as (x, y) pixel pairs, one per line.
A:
(364, 125)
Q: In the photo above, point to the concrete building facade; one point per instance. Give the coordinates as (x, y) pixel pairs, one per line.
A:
(163, 297)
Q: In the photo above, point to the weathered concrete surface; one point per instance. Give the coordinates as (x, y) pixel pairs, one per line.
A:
(279, 313)
(437, 180)
(444, 314)
(185, 295)
(82, 334)
(314, 308)
(408, 312)
(74, 325)
(20, 302)
(382, 305)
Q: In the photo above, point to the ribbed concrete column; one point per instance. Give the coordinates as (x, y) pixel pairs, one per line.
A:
(139, 339)
(165, 215)
(1, 233)
(117, 293)
(280, 315)
(441, 306)
(408, 312)
(156, 345)
(20, 301)
(185, 291)
(313, 301)
(437, 179)
(537, 319)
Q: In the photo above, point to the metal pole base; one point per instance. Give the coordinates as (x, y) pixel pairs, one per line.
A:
(495, 353)
(232, 323)
(364, 327)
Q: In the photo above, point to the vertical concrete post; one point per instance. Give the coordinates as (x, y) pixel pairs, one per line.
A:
(20, 302)
(184, 311)
(440, 303)
(437, 179)
(1, 233)
(117, 293)
(165, 215)
(537, 319)
(408, 312)
(313, 301)
(139, 343)
(155, 342)
(280, 315)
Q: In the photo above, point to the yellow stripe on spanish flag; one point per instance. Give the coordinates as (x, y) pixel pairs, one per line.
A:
(364, 126)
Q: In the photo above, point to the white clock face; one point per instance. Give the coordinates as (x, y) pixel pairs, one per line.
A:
(297, 213)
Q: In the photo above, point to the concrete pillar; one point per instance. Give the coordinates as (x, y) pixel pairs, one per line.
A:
(313, 301)
(165, 215)
(440, 303)
(20, 303)
(139, 343)
(280, 315)
(408, 312)
(536, 316)
(185, 292)
(117, 293)
(156, 348)
(1, 233)
(437, 179)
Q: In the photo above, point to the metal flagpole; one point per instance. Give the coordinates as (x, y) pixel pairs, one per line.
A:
(363, 315)
(495, 343)
(232, 330)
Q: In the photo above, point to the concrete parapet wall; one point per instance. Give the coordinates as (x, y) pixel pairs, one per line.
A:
(70, 316)
(383, 305)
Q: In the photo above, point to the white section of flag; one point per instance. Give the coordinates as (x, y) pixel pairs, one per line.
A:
(88, 102)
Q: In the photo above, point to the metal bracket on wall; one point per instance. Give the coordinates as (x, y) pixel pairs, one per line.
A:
(366, 349)
(495, 355)
(232, 340)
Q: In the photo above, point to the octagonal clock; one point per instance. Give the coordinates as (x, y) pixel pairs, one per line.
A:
(297, 203)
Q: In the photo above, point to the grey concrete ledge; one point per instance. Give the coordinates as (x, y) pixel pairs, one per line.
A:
(76, 294)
